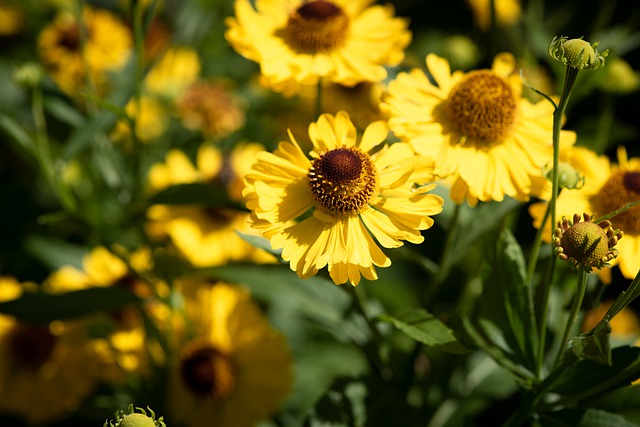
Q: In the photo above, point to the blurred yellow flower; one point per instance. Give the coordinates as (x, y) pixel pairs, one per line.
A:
(107, 47)
(204, 235)
(236, 370)
(353, 194)
(151, 120)
(619, 78)
(477, 127)
(607, 187)
(210, 108)
(46, 370)
(176, 70)
(124, 348)
(299, 42)
(11, 20)
(507, 12)
(624, 325)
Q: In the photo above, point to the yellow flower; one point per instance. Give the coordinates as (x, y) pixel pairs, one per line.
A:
(624, 325)
(236, 370)
(352, 197)
(204, 235)
(607, 187)
(11, 20)
(507, 12)
(46, 370)
(124, 349)
(178, 68)
(210, 108)
(151, 120)
(107, 48)
(476, 126)
(298, 42)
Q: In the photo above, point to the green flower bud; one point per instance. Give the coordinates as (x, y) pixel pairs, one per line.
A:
(577, 53)
(568, 176)
(135, 419)
(585, 244)
(28, 75)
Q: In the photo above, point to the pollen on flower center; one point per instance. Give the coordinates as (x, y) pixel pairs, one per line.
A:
(207, 372)
(343, 180)
(31, 345)
(622, 188)
(316, 26)
(482, 106)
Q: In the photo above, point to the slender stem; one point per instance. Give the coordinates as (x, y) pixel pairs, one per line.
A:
(537, 243)
(374, 353)
(445, 258)
(573, 313)
(544, 312)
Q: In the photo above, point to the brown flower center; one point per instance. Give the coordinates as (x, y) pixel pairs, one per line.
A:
(31, 345)
(207, 371)
(317, 26)
(70, 37)
(622, 188)
(343, 180)
(482, 106)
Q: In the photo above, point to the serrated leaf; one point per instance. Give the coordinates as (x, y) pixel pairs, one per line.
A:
(45, 307)
(425, 328)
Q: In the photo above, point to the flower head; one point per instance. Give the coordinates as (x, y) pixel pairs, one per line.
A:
(477, 127)
(577, 53)
(607, 188)
(136, 419)
(46, 369)
(235, 370)
(300, 42)
(107, 47)
(326, 211)
(585, 244)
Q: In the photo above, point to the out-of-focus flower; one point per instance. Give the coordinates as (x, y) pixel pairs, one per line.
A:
(619, 78)
(236, 369)
(28, 75)
(608, 187)
(11, 20)
(107, 48)
(624, 325)
(124, 349)
(585, 244)
(461, 52)
(352, 194)
(177, 69)
(46, 370)
(205, 235)
(477, 127)
(299, 42)
(210, 108)
(151, 120)
(507, 12)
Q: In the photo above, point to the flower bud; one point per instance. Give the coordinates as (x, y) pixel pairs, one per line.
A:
(577, 53)
(585, 244)
(135, 419)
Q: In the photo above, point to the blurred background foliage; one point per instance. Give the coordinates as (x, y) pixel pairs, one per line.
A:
(45, 228)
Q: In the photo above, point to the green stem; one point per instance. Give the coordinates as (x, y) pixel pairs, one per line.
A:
(537, 243)
(382, 369)
(573, 313)
(445, 258)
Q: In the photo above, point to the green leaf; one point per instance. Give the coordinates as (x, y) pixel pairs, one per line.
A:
(45, 307)
(595, 347)
(260, 243)
(624, 401)
(425, 328)
(64, 112)
(17, 134)
(587, 418)
(588, 378)
(54, 253)
(194, 194)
